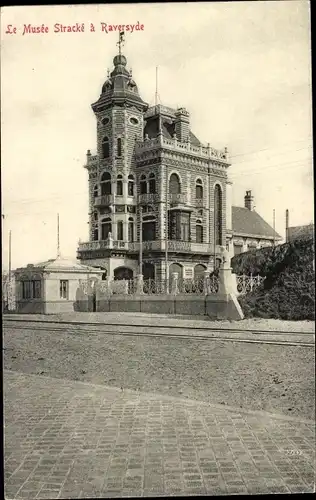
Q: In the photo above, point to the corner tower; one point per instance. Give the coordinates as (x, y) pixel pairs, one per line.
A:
(112, 178)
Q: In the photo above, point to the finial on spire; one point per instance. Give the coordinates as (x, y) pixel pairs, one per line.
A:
(108, 73)
(121, 41)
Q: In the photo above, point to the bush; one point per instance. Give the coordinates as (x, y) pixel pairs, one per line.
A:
(288, 292)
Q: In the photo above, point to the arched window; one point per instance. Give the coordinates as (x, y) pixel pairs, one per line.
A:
(199, 270)
(199, 189)
(95, 191)
(105, 184)
(148, 271)
(152, 183)
(119, 147)
(199, 231)
(174, 184)
(120, 230)
(95, 234)
(149, 228)
(130, 185)
(119, 185)
(218, 214)
(95, 216)
(143, 184)
(131, 229)
(105, 147)
(106, 228)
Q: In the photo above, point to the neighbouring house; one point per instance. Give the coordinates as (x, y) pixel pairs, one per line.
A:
(249, 230)
(296, 232)
(52, 286)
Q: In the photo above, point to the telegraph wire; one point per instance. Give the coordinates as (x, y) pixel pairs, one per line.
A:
(268, 149)
(297, 163)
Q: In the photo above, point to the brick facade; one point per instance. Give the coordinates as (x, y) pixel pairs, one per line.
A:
(153, 142)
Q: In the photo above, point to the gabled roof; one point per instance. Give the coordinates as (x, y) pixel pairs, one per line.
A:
(245, 221)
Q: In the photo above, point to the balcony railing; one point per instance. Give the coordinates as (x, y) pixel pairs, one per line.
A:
(105, 200)
(148, 198)
(156, 245)
(175, 144)
(177, 198)
(102, 245)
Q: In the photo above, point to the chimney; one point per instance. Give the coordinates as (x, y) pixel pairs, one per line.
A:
(182, 125)
(249, 200)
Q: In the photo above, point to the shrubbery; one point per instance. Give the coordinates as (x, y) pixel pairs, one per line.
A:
(288, 292)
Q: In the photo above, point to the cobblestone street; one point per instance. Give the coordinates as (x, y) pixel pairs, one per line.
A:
(68, 439)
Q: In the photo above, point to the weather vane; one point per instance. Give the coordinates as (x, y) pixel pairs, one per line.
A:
(121, 41)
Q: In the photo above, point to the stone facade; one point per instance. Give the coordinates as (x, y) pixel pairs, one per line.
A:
(51, 287)
(152, 185)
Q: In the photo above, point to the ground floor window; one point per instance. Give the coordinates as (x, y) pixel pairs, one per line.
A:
(31, 289)
(64, 289)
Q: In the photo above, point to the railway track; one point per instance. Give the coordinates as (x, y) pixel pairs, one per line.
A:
(179, 332)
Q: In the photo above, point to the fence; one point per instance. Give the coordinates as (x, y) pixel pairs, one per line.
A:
(175, 286)
(246, 284)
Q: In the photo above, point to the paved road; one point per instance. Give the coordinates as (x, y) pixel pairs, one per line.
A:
(66, 439)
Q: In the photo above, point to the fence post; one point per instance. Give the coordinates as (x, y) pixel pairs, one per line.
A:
(207, 283)
(174, 284)
(140, 284)
(109, 288)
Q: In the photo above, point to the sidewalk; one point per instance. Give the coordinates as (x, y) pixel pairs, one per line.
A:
(66, 439)
(198, 322)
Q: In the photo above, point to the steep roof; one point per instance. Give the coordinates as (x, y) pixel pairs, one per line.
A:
(168, 129)
(245, 221)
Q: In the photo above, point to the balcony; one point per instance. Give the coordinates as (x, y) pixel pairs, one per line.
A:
(174, 144)
(102, 245)
(145, 199)
(103, 201)
(156, 246)
(177, 199)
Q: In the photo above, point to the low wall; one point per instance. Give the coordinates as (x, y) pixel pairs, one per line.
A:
(30, 307)
(216, 306)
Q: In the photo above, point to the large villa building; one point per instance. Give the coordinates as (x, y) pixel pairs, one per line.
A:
(157, 195)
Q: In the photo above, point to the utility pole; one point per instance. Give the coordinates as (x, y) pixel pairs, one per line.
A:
(58, 246)
(287, 216)
(274, 227)
(10, 256)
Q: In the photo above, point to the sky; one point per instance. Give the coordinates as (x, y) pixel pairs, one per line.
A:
(242, 69)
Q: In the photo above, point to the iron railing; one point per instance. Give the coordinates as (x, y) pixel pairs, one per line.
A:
(246, 284)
